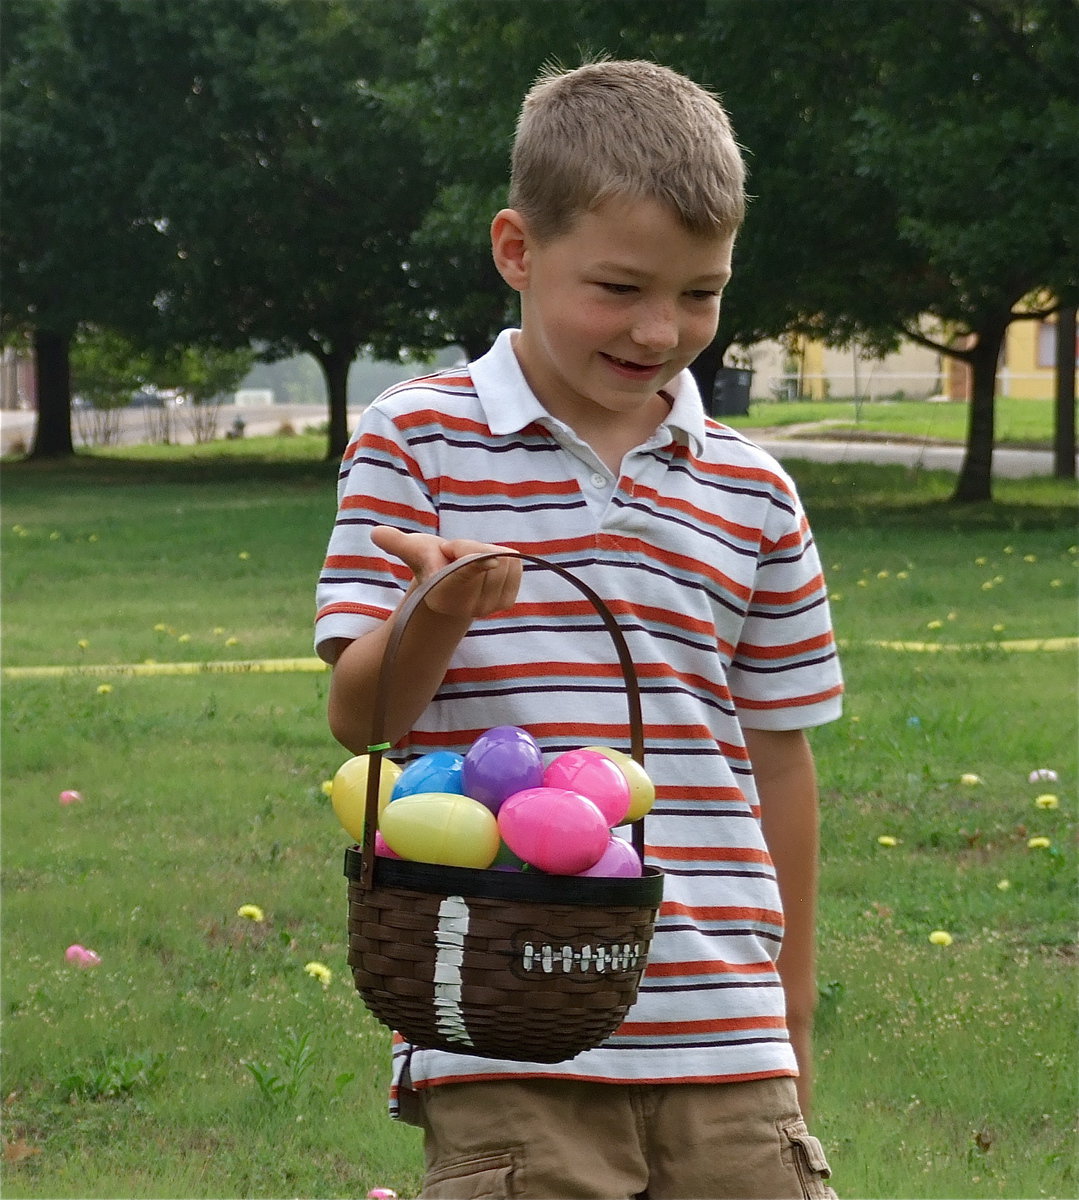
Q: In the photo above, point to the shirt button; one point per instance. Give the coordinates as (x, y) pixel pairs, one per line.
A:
(599, 480)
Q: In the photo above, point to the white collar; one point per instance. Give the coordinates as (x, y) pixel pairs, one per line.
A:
(510, 405)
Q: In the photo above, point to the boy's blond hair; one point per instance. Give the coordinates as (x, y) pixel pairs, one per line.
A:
(629, 129)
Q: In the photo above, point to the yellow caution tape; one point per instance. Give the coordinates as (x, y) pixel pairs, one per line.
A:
(276, 666)
(1015, 644)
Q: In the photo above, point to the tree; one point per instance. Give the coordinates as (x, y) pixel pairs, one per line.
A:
(1064, 423)
(72, 247)
(289, 187)
(922, 193)
(977, 138)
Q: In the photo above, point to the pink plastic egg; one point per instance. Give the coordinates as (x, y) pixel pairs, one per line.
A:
(642, 791)
(594, 776)
(70, 796)
(80, 956)
(553, 829)
(500, 762)
(381, 847)
(618, 861)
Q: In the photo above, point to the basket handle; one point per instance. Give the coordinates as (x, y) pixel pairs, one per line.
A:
(404, 614)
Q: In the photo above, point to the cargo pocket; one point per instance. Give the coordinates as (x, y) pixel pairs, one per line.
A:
(809, 1162)
(484, 1177)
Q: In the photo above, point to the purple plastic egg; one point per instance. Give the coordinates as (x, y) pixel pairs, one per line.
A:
(439, 771)
(553, 829)
(500, 762)
(594, 776)
(618, 861)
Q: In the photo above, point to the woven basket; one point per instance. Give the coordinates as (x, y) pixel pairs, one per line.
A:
(520, 966)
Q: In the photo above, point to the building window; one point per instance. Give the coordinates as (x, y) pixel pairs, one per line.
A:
(1047, 344)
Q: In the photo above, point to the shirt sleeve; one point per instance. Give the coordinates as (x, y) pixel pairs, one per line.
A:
(785, 672)
(380, 483)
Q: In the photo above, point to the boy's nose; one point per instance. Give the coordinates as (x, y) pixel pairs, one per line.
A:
(656, 330)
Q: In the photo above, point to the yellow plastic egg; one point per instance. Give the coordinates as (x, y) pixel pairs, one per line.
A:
(441, 827)
(642, 791)
(348, 792)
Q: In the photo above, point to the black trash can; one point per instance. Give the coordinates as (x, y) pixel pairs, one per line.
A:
(730, 395)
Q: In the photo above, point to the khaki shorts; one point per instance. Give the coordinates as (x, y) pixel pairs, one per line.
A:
(552, 1139)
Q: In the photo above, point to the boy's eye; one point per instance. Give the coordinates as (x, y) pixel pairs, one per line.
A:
(703, 294)
(618, 289)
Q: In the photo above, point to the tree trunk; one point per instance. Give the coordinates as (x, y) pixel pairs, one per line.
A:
(975, 482)
(705, 366)
(335, 367)
(52, 437)
(1064, 425)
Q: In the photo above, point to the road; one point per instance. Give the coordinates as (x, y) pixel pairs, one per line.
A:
(138, 426)
(145, 424)
(1008, 463)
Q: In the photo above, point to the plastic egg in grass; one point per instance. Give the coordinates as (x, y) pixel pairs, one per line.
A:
(595, 776)
(618, 861)
(554, 829)
(441, 827)
(439, 771)
(500, 762)
(348, 791)
(642, 791)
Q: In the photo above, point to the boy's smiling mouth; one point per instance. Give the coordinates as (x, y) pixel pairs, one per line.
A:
(628, 367)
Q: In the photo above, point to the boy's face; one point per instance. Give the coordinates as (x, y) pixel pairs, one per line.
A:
(612, 309)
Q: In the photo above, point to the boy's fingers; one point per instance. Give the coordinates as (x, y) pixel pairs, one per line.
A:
(420, 552)
(480, 587)
(462, 549)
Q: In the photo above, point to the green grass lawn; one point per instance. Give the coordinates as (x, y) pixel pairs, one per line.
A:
(1018, 422)
(201, 1059)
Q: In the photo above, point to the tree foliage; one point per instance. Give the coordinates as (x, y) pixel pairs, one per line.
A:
(73, 246)
(318, 176)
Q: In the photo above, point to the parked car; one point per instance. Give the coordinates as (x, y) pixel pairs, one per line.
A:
(151, 397)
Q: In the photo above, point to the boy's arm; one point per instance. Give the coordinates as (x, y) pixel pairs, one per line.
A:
(433, 634)
(787, 786)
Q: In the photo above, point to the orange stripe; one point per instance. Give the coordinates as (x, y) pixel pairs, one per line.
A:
(502, 487)
(425, 417)
(731, 795)
(790, 701)
(787, 650)
(362, 610)
(721, 913)
(359, 562)
(711, 854)
(715, 1025)
(387, 509)
(706, 967)
(816, 584)
(742, 474)
(748, 533)
(391, 449)
(747, 1077)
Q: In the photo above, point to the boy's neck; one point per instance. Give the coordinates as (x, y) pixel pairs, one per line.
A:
(613, 435)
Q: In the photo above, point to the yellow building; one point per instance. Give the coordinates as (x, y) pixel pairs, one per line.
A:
(1027, 367)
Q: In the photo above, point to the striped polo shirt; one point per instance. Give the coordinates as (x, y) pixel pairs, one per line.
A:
(701, 549)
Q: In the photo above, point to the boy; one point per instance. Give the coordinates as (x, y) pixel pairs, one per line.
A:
(581, 438)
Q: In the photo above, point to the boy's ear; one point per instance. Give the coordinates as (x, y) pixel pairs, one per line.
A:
(510, 247)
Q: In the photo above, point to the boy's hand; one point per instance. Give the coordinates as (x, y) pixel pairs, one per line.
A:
(474, 591)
